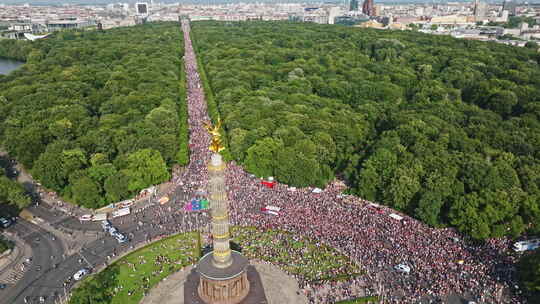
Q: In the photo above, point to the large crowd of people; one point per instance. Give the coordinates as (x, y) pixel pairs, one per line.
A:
(441, 261)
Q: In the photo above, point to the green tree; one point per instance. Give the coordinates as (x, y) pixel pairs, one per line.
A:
(144, 168)
(86, 192)
(13, 193)
(117, 187)
(502, 102)
(261, 157)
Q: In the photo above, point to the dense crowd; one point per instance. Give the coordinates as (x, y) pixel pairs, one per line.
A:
(442, 263)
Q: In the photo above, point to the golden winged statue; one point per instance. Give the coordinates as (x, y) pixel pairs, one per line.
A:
(216, 145)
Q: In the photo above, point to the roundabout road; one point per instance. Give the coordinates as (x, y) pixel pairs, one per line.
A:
(48, 282)
(47, 251)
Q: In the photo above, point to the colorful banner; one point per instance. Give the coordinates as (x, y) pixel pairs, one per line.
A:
(268, 184)
(196, 205)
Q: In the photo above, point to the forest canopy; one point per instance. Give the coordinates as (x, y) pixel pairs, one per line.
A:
(97, 115)
(445, 130)
(13, 196)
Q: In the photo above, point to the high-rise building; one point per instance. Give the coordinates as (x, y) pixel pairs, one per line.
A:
(480, 9)
(510, 6)
(141, 8)
(333, 12)
(353, 5)
(368, 8)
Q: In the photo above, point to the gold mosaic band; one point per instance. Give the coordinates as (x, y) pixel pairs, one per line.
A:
(221, 236)
(218, 196)
(217, 168)
(220, 254)
(218, 218)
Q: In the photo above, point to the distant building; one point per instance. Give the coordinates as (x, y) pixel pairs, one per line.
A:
(333, 12)
(350, 20)
(371, 24)
(315, 15)
(397, 26)
(58, 25)
(480, 9)
(368, 8)
(407, 19)
(37, 29)
(353, 5)
(504, 16)
(510, 6)
(377, 10)
(117, 22)
(452, 20)
(321, 15)
(141, 8)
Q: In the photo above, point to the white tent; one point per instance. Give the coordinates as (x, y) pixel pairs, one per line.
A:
(121, 212)
(34, 37)
(395, 216)
(99, 217)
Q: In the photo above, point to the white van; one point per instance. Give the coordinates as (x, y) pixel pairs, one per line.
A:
(526, 245)
(403, 268)
(80, 274)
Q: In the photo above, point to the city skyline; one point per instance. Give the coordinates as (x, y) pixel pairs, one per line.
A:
(354, 157)
(207, 2)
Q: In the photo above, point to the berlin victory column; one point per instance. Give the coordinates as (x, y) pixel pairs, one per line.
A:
(223, 275)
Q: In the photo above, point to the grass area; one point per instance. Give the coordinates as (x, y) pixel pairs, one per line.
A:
(126, 280)
(295, 254)
(360, 300)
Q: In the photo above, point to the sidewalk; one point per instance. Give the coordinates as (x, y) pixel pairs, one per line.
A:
(11, 269)
(279, 288)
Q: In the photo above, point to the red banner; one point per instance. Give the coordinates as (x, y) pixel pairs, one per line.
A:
(268, 184)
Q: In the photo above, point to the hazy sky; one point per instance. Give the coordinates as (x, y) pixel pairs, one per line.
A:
(59, 2)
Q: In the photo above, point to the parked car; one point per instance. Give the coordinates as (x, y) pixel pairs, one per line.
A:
(80, 274)
(5, 222)
(112, 231)
(403, 268)
(120, 237)
(106, 225)
(527, 245)
(85, 217)
(3, 286)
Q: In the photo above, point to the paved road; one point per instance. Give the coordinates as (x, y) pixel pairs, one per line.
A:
(49, 281)
(61, 244)
(47, 250)
(60, 220)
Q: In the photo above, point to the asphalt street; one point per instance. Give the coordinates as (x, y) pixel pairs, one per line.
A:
(61, 220)
(47, 251)
(53, 264)
(48, 282)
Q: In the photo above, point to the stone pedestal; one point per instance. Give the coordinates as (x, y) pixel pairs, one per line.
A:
(223, 285)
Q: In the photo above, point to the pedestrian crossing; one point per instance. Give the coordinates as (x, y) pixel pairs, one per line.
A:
(14, 275)
(16, 271)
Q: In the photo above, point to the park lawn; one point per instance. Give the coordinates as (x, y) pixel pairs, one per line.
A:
(175, 252)
(360, 300)
(304, 257)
